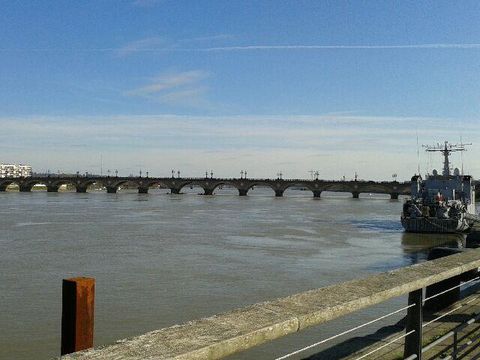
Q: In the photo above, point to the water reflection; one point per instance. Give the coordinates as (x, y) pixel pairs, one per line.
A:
(417, 246)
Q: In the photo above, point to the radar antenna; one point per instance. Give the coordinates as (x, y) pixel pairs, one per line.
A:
(446, 149)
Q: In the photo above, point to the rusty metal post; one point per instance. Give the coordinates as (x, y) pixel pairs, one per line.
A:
(78, 303)
(413, 342)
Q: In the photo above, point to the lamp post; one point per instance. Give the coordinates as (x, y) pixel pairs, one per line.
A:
(241, 174)
(116, 173)
(245, 172)
(178, 173)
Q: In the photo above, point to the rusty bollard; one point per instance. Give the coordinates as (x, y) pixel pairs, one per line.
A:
(78, 303)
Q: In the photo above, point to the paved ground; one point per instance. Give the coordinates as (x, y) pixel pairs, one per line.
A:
(465, 309)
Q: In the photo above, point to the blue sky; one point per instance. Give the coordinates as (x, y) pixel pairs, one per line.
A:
(334, 86)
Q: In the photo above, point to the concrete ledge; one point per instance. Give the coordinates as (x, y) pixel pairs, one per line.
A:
(224, 334)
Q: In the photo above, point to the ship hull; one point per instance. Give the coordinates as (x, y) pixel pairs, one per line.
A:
(434, 225)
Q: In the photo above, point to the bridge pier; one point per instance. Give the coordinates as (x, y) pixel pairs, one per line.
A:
(3, 187)
(242, 192)
(25, 188)
(174, 191)
(279, 193)
(81, 189)
(52, 188)
(317, 194)
(143, 190)
(394, 196)
(111, 189)
(356, 195)
(208, 191)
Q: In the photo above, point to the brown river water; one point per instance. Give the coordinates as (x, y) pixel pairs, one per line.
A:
(162, 259)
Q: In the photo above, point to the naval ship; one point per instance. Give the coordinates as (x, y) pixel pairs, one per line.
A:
(441, 203)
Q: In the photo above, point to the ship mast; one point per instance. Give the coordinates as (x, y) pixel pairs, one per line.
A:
(446, 150)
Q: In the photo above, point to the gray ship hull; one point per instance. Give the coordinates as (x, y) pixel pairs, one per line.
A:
(434, 225)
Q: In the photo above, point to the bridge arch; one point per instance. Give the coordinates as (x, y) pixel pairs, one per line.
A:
(300, 187)
(58, 184)
(339, 189)
(7, 183)
(156, 184)
(84, 186)
(262, 184)
(375, 189)
(227, 184)
(192, 185)
(116, 185)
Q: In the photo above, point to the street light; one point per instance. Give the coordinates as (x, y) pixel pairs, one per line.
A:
(394, 176)
(147, 174)
(140, 173)
(108, 173)
(173, 173)
(211, 174)
(178, 173)
(245, 172)
(116, 173)
(241, 174)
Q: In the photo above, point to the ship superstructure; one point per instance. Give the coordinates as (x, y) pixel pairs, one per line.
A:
(441, 203)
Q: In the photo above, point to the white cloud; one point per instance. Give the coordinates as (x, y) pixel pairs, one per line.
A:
(336, 145)
(180, 88)
(149, 44)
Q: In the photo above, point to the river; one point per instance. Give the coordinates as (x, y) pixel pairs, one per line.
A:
(163, 259)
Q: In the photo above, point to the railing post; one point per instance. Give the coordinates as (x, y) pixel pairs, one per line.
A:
(455, 345)
(413, 342)
(78, 303)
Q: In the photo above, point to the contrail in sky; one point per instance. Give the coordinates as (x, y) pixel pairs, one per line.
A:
(340, 47)
(257, 48)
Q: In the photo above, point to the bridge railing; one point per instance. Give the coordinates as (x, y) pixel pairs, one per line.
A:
(238, 330)
(83, 175)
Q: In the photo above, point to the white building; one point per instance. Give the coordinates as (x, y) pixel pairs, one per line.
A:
(14, 170)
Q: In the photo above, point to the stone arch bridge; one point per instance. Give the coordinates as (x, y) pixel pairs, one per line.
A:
(112, 184)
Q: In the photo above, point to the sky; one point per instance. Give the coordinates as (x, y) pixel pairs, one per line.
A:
(266, 86)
